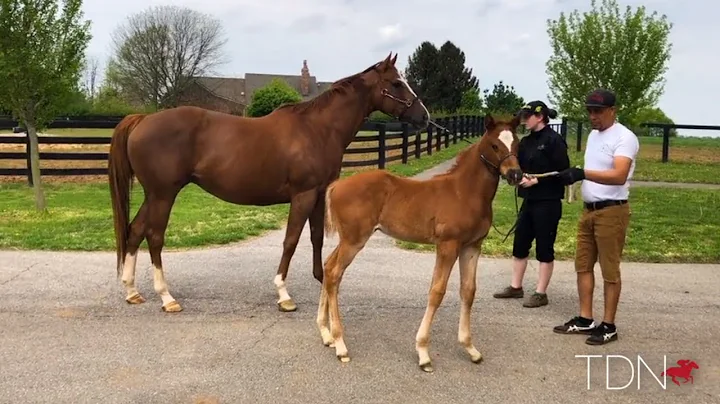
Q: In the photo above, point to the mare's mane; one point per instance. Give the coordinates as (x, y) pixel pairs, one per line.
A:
(322, 100)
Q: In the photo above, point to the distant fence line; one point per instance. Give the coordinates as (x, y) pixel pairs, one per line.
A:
(413, 143)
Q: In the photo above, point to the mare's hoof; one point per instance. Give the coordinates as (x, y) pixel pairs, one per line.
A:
(172, 307)
(344, 358)
(287, 306)
(427, 367)
(136, 298)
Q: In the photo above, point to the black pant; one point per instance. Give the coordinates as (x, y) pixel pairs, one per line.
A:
(538, 220)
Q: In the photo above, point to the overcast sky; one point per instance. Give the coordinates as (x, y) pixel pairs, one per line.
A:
(502, 39)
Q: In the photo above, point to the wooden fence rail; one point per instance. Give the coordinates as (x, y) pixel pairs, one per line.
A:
(413, 144)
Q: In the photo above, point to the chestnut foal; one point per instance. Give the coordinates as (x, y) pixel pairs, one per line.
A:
(452, 210)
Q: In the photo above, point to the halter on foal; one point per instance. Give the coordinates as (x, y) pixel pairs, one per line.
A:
(451, 210)
(289, 155)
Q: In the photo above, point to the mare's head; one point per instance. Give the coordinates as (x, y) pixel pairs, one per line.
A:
(499, 147)
(391, 94)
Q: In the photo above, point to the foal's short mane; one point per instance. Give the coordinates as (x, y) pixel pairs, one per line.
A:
(322, 100)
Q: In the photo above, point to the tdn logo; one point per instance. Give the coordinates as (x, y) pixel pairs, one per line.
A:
(682, 371)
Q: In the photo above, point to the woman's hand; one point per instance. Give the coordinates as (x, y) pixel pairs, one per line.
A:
(528, 182)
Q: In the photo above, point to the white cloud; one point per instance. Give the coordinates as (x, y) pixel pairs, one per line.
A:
(502, 39)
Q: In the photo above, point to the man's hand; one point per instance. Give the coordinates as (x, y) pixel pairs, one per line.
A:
(571, 175)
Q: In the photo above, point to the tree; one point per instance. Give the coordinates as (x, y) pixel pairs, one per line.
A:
(627, 54)
(268, 98)
(158, 52)
(439, 76)
(471, 101)
(503, 99)
(42, 50)
(649, 114)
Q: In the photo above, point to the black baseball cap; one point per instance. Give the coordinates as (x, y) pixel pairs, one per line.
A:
(600, 98)
(534, 107)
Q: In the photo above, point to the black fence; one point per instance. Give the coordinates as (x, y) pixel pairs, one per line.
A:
(393, 141)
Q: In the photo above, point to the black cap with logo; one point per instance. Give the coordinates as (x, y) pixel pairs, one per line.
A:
(600, 98)
(534, 107)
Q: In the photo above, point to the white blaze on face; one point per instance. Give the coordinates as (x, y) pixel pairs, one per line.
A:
(507, 138)
(402, 79)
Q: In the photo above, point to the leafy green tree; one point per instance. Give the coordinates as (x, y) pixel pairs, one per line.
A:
(646, 115)
(439, 76)
(42, 50)
(471, 101)
(268, 98)
(627, 54)
(503, 99)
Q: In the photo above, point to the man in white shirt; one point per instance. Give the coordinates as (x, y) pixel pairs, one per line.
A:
(609, 164)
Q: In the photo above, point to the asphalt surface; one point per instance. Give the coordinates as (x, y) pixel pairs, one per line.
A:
(69, 337)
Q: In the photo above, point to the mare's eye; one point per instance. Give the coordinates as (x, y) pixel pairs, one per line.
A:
(397, 84)
(495, 147)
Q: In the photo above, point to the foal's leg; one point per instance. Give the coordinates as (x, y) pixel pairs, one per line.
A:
(317, 233)
(158, 215)
(446, 255)
(346, 252)
(135, 237)
(322, 314)
(300, 207)
(468, 269)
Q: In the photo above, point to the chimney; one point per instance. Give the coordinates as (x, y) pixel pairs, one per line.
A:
(305, 80)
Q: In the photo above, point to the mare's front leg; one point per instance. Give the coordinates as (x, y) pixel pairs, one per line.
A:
(317, 233)
(468, 270)
(300, 207)
(446, 255)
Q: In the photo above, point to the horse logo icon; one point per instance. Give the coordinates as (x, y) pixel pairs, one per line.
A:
(683, 371)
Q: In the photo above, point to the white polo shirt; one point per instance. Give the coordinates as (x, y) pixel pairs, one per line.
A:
(601, 148)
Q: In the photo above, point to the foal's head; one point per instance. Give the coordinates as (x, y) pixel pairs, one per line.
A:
(391, 94)
(499, 146)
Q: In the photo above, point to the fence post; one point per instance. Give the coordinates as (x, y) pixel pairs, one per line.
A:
(429, 140)
(447, 134)
(455, 129)
(440, 135)
(28, 162)
(481, 126)
(579, 136)
(405, 139)
(381, 145)
(418, 143)
(563, 128)
(666, 144)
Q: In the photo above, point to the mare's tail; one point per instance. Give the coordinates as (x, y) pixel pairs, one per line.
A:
(121, 179)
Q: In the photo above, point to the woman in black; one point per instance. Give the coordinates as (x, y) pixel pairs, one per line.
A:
(543, 150)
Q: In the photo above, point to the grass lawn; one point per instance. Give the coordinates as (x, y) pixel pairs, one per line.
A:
(80, 216)
(693, 160)
(667, 225)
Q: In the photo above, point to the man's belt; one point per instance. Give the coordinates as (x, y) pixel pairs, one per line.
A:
(603, 204)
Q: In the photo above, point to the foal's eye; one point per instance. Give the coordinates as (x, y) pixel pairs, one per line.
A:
(495, 147)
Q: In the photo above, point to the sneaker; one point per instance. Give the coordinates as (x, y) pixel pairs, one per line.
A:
(509, 293)
(536, 300)
(576, 325)
(602, 334)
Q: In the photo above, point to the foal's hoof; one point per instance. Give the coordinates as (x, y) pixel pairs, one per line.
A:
(287, 306)
(172, 307)
(427, 367)
(135, 298)
(476, 358)
(344, 358)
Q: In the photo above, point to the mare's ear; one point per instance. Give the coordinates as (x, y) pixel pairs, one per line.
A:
(489, 122)
(386, 63)
(393, 59)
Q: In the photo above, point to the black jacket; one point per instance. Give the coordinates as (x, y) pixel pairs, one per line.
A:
(541, 152)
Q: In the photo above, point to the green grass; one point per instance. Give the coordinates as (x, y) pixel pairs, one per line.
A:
(79, 215)
(692, 160)
(667, 225)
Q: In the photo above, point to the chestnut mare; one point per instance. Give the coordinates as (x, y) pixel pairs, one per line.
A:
(289, 155)
(453, 211)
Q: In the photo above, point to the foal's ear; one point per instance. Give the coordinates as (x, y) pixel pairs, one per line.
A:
(515, 122)
(489, 122)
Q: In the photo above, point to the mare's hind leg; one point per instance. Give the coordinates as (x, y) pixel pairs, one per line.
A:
(158, 214)
(300, 207)
(135, 237)
(445, 258)
(468, 269)
(317, 233)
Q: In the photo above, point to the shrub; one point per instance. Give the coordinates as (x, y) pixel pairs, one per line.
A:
(268, 98)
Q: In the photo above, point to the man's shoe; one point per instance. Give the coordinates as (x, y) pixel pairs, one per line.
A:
(536, 300)
(576, 325)
(509, 293)
(602, 334)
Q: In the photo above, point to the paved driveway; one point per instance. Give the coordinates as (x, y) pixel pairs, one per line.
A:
(68, 337)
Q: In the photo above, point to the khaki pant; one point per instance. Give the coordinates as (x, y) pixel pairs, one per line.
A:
(601, 237)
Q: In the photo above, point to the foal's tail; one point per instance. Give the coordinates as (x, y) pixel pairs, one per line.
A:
(121, 179)
(330, 226)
